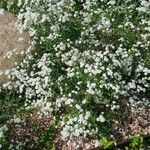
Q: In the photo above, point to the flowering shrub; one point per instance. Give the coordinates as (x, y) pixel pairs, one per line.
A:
(89, 56)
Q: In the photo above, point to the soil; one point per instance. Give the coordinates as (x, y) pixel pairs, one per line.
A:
(140, 124)
(12, 43)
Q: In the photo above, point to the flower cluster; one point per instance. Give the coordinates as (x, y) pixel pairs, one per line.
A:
(3, 129)
(34, 83)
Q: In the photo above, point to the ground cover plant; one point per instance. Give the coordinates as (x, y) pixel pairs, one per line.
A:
(90, 69)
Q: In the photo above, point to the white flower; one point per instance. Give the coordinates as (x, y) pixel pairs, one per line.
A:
(101, 118)
(1, 11)
(112, 2)
(1, 134)
(84, 101)
(78, 107)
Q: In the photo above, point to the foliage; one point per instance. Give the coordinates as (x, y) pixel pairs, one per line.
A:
(107, 143)
(137, 142)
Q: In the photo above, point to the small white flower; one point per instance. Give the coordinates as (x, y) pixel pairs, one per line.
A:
(84, 101)
(78, 106)
(1, 11)
(101, 118)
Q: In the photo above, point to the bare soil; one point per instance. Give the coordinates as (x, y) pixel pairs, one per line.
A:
(12, 43)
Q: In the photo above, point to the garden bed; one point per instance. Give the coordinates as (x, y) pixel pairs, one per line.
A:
(86, 84)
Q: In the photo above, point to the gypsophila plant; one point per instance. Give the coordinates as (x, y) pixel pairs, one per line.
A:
(89, 56)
